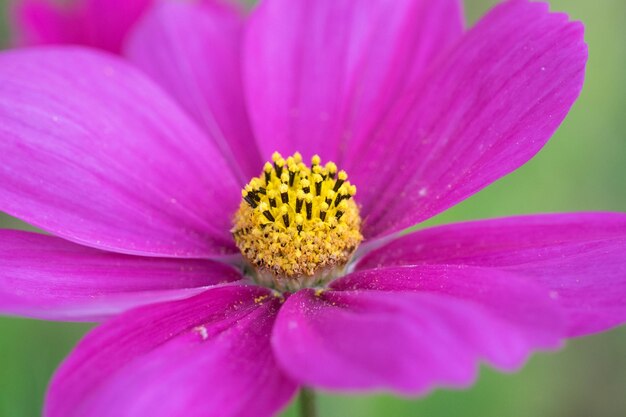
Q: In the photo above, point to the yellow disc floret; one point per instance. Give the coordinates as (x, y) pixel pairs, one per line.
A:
(297, 225)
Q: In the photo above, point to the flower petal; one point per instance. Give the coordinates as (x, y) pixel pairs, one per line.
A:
(50, 278)
(97, 23)
(193, 51)
(483, 109)
(316, 72)
(94, 152)
(38, 22)
(205, 356)
(581, 257)
(410, 329)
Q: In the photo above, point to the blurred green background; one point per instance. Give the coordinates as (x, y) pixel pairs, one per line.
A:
(582, 168)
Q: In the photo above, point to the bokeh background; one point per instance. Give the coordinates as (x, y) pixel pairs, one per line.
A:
(582, 168)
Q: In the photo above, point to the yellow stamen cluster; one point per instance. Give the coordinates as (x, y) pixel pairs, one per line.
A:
(298, 221)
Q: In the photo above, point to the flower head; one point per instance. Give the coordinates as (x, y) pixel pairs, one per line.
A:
(227, 301)
(298, 226)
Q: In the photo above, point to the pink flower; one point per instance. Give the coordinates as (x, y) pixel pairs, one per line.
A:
(140, 191)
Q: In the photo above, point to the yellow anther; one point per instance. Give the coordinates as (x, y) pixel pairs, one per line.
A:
(299, 223)
(260, 299)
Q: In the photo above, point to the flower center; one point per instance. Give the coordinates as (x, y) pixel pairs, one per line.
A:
(297, 225)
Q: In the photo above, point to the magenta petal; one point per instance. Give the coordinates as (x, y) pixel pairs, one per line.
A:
(50, 278)
(97, 23)
(107, 22)
(38, 22)
(193, 51)
(580, 257)
(483, 110)
(317, 72)
(412, 339)
(201, 357)
(94, 152)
